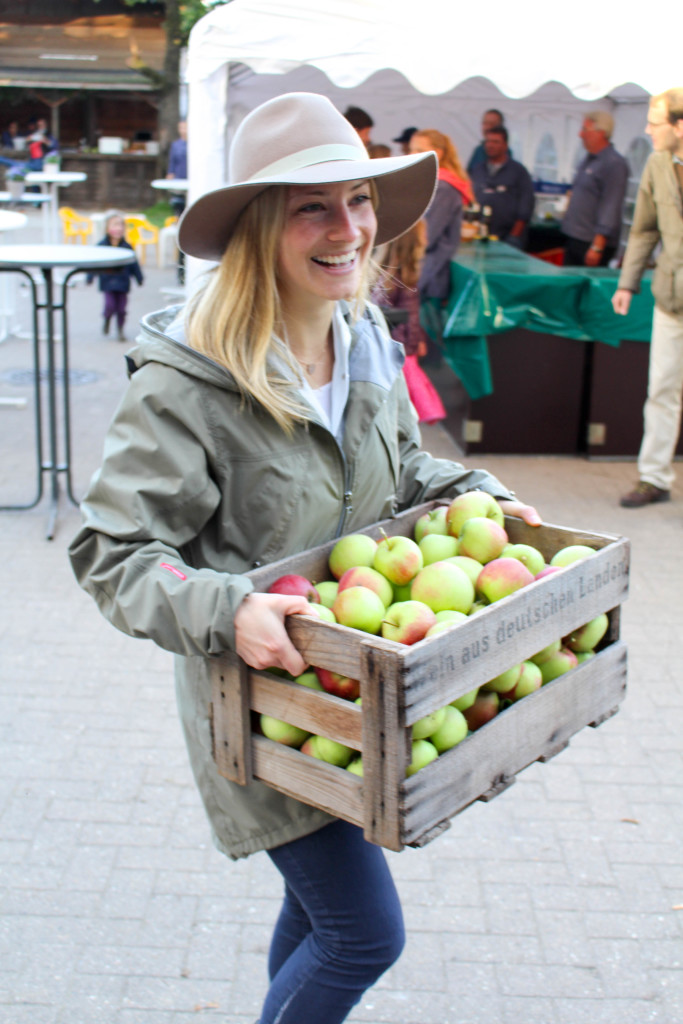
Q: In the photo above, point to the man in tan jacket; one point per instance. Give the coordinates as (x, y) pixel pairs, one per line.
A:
(658, 218)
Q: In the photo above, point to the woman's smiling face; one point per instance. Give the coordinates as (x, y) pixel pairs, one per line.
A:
(326, 242)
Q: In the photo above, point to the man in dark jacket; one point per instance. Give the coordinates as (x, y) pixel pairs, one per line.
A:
(506, 186)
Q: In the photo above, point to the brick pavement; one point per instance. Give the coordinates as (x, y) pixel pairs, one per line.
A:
(554, 904)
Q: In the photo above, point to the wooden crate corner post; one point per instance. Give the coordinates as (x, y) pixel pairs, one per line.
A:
(231, 718)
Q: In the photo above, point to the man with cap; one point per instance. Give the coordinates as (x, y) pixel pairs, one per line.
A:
(404, 138)
(592, 223)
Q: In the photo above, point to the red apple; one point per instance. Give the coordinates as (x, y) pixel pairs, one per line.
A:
(406, 622)
(398, 558)
(296, 585)
(484, 708)
(549, 570)
(557, 664)
(501, 577)
(339, 685)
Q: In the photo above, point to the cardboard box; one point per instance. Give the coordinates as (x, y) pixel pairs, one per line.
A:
(401, 684)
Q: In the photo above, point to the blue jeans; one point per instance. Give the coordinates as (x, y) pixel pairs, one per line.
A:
(339, 929)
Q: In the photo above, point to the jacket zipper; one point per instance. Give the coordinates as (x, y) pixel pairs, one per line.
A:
(347, 506)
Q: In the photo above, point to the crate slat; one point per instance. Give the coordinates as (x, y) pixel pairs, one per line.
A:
(308, 709)
(524, 732)
(323, 785)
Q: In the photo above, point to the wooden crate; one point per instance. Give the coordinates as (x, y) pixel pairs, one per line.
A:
(400, 684)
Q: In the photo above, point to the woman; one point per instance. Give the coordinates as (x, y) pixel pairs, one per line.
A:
(269, 417)
(444, 216)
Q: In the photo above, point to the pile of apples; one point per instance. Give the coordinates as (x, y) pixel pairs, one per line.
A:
(458, 561)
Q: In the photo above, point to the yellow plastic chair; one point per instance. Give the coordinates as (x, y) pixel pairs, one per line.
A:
(75, 226)
(140, 234)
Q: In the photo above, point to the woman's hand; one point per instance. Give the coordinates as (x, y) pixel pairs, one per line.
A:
(260, 635)
(526, 512)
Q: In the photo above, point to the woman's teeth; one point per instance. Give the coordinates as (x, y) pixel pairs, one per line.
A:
(336, 261)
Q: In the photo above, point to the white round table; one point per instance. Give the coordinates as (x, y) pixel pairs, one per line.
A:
(50, 182)
(9, 221)
(171, 184)
(46, 258)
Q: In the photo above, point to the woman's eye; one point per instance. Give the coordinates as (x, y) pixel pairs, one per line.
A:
(361, 198)
(310, 208)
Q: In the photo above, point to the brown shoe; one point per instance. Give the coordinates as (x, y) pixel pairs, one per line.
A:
(644, 494)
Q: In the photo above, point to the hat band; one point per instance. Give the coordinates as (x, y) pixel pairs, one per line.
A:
(307, 157)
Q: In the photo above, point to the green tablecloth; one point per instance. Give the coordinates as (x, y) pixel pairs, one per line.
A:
(495, 288)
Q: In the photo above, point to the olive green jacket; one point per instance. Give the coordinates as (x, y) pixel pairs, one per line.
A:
(658, 217)
(197, 487)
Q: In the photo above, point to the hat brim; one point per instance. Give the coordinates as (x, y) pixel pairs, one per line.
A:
(405, 186)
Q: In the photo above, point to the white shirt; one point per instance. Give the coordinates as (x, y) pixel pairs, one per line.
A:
(330, 400)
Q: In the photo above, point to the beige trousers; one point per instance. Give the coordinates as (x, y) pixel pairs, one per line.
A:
(662, 412)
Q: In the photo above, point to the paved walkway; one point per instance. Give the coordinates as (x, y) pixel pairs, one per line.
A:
(561, 902)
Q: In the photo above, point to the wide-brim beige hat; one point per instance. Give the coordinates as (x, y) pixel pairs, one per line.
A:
(302, 139)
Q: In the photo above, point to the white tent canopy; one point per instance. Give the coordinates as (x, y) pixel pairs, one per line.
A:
(430, 64)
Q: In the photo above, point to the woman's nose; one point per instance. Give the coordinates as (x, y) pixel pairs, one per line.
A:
(343, 224)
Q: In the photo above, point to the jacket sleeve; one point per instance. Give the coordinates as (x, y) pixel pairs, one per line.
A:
(608, 213)
(425, 478)
(527, 197)
(152, 496)
(643, 237)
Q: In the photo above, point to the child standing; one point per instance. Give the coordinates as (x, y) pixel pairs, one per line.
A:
(115, 283)
(402, 261)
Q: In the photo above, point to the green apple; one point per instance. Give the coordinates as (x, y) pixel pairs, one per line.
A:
(470, 505)
(355, 766)
(424, 727)
(530, 680)
(546, 652)
(469, 565)
(325, 749)
(353, 549)
(328, 591)
(450, 615)
(423, 752)
(588, 636)
(282, 732)
(406, 622)
(466, 701)
(572, 553)
(529, 556)
(398, 558)
(359, 608)
(366, 576)
(310, 680)
(325, 613)
(505, 681)
(402, 593)
(582, 656)
(443, 586)
(557, 664)
(482, 539)
(501, 577)
(435, 548)
(452, 730)
(433, 521)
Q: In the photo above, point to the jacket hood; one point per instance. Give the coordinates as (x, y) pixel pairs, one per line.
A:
(162, 340)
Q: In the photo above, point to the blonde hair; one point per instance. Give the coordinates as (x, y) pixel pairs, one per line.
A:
(236, 317)
(403, 259)
(449, 157)
(673, 101)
